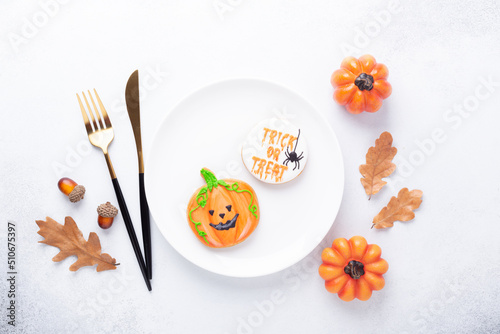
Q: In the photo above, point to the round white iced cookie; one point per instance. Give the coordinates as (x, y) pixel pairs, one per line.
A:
(275, 151)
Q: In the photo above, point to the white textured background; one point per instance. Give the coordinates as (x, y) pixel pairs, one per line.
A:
(444, 266)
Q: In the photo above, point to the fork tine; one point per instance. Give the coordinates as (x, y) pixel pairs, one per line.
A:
(97, 115)
(103, 110)
(90, 112)
(85, 117)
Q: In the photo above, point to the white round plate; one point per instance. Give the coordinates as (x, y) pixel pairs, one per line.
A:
(206, 129)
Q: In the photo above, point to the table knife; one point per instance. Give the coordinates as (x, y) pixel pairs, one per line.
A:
(133, 108)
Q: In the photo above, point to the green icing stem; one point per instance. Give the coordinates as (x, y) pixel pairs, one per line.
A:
(210, 178)
(196, 224)
(202, 197)
(234, 187)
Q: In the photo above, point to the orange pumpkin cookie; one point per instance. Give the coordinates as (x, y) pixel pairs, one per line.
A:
(223, 213)
(352, 268)
(361, 84)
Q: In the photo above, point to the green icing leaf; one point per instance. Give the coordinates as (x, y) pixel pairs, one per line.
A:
(223, 183)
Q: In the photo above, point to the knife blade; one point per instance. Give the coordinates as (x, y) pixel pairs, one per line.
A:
(134, 113)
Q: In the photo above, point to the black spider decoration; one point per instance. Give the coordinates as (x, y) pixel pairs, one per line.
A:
(292, 156)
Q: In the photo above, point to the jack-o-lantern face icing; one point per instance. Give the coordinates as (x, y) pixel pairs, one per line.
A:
(229, 224)
(224, 212)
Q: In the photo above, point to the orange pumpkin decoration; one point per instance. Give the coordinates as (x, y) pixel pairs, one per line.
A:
(229, 200)
(361, 84)
(352, 268)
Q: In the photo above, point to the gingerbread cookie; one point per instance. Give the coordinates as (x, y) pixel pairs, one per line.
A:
(223, 213)
(275, 151)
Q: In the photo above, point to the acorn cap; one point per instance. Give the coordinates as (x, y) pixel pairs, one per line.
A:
(77, 194)
(107, 210)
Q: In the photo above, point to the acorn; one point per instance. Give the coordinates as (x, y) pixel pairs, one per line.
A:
(107, 212)
(71, 189)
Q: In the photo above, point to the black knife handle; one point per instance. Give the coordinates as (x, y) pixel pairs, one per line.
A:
(131, 231)
(146, 226)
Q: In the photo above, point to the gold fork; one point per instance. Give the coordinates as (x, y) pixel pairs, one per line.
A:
(101, 135)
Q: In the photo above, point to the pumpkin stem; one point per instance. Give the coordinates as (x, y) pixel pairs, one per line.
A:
(355, 269)
(364, 82)
(210, 178)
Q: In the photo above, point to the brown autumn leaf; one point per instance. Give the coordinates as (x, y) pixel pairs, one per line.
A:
(400, 208)
(69, 239)
(378, 164)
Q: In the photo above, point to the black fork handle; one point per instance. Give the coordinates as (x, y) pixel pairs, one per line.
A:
(146, 226)
(131, 231)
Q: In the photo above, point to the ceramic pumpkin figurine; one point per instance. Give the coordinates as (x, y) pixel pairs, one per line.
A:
(352, 268)
(361, 84)
(223, 213)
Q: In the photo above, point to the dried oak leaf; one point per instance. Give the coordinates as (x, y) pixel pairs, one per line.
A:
(400, 208)
(378, 164)
(69, 239)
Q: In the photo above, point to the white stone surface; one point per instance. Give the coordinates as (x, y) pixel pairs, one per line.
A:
(443, 113)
